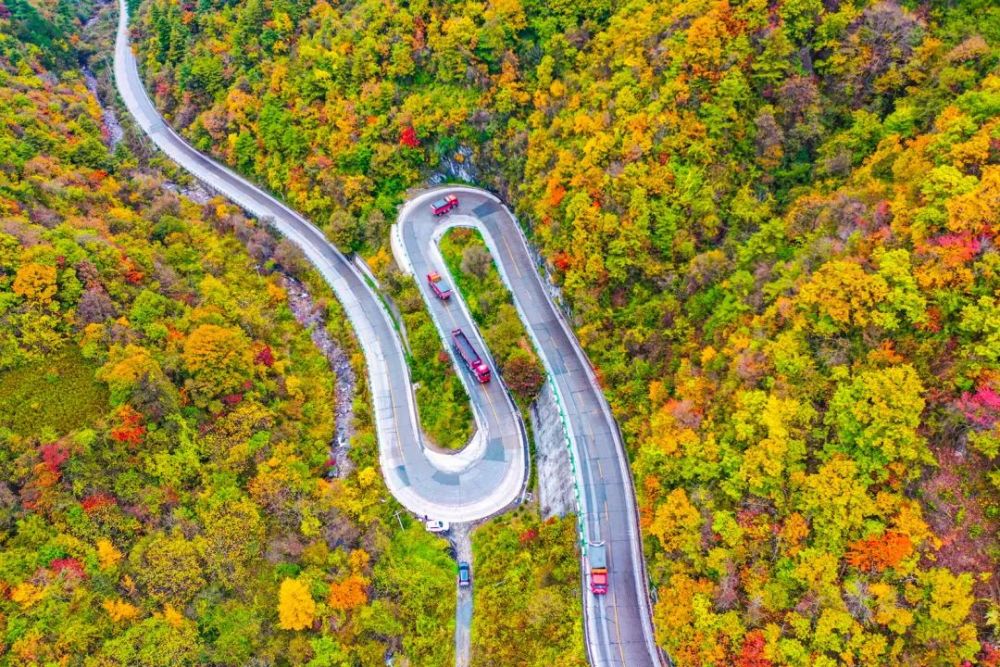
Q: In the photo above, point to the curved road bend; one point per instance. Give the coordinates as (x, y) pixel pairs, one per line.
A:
(618, 625)
(493, 473)
(484, 485)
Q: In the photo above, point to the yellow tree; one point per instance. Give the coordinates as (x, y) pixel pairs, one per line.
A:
(119, 610)
(843, 292)
(36, 282)
(126, 369)
(767, 462)
(877, 421)
(168, 567)
(296, 608)
(835, 498)
(219, 360)
(676, 523)
(944, 601)
(107, 555)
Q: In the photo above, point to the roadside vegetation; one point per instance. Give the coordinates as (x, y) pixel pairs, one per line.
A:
(776, 224)
(165, 423)
(442, 403)
(528, 608)
(476, 277)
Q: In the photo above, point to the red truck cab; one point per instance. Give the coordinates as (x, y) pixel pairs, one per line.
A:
(469, 355)
(445, 204)
(438, 286)
(599, 582)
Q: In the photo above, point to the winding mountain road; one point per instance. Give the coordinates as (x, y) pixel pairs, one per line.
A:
(619, 630)
(490, 474)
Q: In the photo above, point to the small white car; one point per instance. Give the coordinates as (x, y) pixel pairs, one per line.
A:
(436, 526)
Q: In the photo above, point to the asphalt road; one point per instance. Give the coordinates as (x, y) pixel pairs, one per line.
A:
(491, 474)
(454, 489)
(461, 541)
(619, 628)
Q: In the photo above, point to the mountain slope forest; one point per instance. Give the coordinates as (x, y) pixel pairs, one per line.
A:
(776, 225)
(166, 494)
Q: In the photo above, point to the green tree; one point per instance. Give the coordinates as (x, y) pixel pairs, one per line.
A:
(521, 372)
(876, 416)
(152, 643)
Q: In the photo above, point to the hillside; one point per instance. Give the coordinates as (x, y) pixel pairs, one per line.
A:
(776, 224)
(167, 495)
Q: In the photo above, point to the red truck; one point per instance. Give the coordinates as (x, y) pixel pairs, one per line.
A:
(469, 355)
(445, 204)
(597, 557)
(438, 286)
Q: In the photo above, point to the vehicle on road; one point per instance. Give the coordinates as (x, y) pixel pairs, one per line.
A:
(464, 575)
(435, 526)
(386, 358)
(440, 288)
(445, 204)
(469, 355)
(597, 558)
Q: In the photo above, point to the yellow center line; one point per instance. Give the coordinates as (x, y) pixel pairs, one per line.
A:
(513, 260)
(618, 631)
(614, 596)
(493, 408)
(399, 440)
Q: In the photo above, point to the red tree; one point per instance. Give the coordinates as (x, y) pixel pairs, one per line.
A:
(96, 501)
(130, 429)
(232, 399)
(265, 357)
(752, 654)
(528, 536)
(408, 137)
(54, 455)
(68, 566)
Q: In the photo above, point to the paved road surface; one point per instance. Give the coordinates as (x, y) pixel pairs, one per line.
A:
(422, 482)
(491, 474)
(619, 629)
(460, 539)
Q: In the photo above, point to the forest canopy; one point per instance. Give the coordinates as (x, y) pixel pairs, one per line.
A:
(167, 494)
(776, 226)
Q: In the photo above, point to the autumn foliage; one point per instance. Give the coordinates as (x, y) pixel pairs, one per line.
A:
(752, 652)
(347, 594)
(879, 553)
(35, 282)
(54, 455)
(408, 137)
(130, 428)
(218, 359)
(774, 227)
(164, 418)
(296, 608)
(119, 610)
